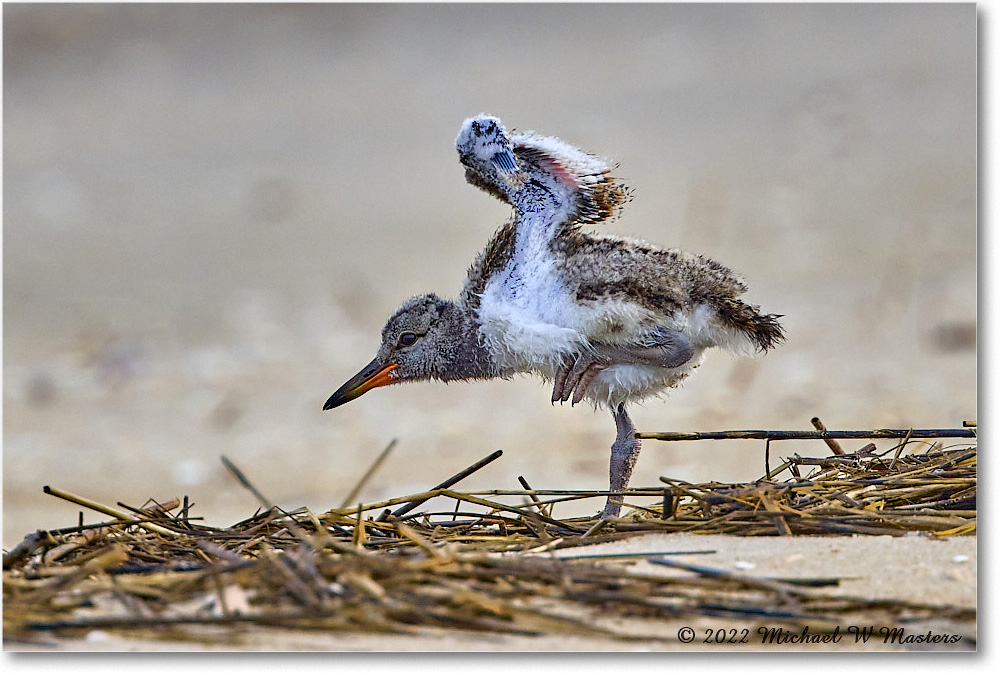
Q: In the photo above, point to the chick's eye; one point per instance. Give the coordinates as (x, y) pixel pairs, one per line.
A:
(407, 339)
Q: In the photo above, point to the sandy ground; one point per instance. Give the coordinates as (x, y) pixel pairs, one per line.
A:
(210, 211)
(913, 569)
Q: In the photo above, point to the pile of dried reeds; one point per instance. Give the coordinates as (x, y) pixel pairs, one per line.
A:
(388, 567)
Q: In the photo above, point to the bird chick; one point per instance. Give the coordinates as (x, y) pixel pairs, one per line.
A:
(604, 318)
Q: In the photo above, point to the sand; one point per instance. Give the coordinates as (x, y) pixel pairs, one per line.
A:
(913, 568)
(209, 211)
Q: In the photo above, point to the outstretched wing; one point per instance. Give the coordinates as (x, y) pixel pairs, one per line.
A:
(554, 188)
(551, 184)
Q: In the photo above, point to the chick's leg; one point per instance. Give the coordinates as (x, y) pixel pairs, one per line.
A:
(624, 453)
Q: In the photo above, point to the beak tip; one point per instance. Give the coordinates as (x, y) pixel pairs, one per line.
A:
(373, 375)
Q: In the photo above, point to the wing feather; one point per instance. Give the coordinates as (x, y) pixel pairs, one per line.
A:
(548, 181)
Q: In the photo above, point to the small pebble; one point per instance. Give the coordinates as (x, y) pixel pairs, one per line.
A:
(97, 636)
(960, 559)
(743, 565)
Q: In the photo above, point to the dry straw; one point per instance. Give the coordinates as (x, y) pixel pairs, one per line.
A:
(493, 560)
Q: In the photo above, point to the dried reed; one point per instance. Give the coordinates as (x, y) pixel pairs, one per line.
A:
(486, 564)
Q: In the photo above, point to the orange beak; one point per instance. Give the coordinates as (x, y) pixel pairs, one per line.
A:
(375, 374)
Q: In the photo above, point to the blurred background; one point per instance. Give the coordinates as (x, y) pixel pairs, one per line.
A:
(210, 211)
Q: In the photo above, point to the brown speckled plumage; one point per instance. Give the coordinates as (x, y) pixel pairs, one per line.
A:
(605, 318)
(493, 258)
(665, 281)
